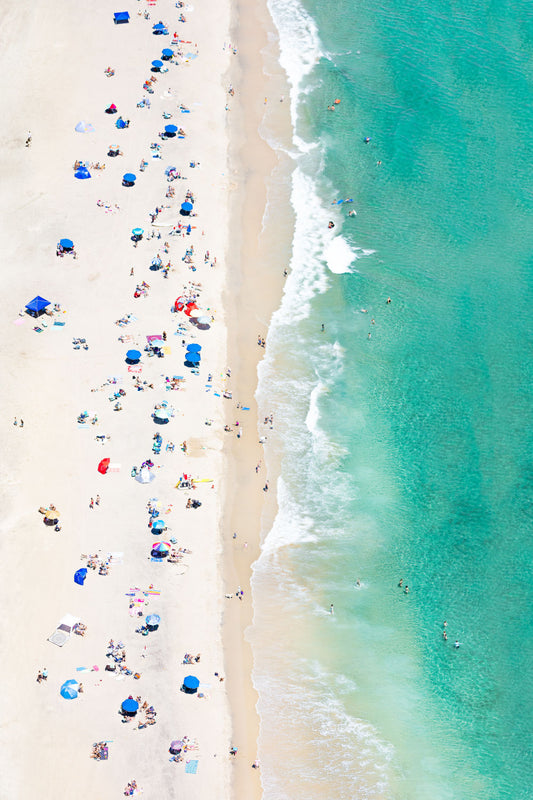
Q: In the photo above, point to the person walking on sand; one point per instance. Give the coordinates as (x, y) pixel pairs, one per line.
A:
(91, 504)
(21, 423)
(97, 501)
(15, 421)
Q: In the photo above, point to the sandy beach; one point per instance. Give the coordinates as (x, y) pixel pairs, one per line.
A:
(67, 378)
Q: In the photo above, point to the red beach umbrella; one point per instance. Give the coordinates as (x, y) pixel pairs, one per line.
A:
(190, 308)
(103, 466)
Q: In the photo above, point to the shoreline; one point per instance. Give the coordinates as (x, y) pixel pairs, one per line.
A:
(253, 293)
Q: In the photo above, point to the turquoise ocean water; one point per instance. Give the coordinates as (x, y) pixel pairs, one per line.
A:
(407, 454)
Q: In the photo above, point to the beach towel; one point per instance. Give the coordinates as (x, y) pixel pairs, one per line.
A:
(58, 324)
(191, 767)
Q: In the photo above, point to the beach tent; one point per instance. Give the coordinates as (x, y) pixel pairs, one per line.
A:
(82, 174)
(120, 17)
(190, 684)
(69, 690)
(80, 575)
(36, 306)
(130, 707)
(84, 127)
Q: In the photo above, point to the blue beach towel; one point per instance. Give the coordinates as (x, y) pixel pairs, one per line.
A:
(191, 767)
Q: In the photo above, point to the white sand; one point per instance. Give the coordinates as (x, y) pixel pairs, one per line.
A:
(60, 51)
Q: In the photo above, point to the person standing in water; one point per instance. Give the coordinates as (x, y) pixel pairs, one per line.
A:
(331, 609)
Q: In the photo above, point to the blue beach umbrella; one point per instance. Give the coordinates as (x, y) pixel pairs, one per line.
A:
(194, 348)
(130, 706)
(171, 130)
(159, 27)
(133, 356)
(153, 620)
(138, 231)
(190, 684)
(66, 244)
(69, 689)
(193, 358)
(82, 174)
(167, 53)
(128, 179)
(186, 208)
(157, 64)
(158, 525)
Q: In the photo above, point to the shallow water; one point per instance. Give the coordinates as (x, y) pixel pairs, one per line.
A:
(406, 453)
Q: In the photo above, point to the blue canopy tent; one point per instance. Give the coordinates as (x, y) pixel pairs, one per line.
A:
(190, 684)
(80, 575)
(171, 130)
(129, 179)
(120, 17)
(133, 356)
(66, 244)
(69, 689)
(156, 65)
(186, 209)
(36, 306)
(130, 707)
(167, 54)
(82, 174)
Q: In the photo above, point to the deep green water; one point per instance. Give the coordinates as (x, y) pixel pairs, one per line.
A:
(408, 454)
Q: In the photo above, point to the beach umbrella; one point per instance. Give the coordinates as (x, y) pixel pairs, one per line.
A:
(69, 690)
(193, 358)
(161, 548)
(133, 356)
(157, 64)
(175, 747)
(159, 27)
(161, 416)
(103, 466)
(84, 127)
(167, 53)
(128, 179)
(82, 173)
(190, 308)
(158, 525)
(138, 231)
(66, 244)
(203, 322)
(130, 706)
(190, 684)
(80, 575)
(112, 109)
(194, 348)
(153, 620)
(171, 130)
(186, 209)
(145, 475)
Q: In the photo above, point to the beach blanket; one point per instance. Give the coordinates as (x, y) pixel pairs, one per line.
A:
(191, 767)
